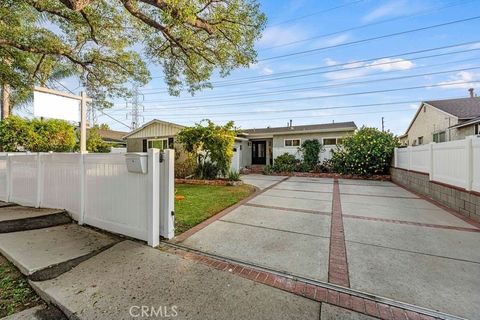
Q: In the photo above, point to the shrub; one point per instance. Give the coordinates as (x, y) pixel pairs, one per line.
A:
(367, 152)
(326, 166)
(207, 170)
(210, 142)
(95, 142)
(233, 175)
(37, 135)
(285, 163)
(268, 169)
(311, 152)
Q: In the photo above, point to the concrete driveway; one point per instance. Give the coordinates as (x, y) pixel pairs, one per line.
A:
(371, 236)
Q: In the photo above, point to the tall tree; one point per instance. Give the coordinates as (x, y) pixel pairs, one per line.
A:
(109, 43)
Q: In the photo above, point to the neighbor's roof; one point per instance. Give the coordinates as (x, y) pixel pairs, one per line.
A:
(151, 122)
(305, 128)
(464, 108)
(111, 135)
(467, 123)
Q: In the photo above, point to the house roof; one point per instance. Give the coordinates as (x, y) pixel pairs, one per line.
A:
(464, 108)
(152, 122)
(467, 123)
(350, 125)
(111, 135)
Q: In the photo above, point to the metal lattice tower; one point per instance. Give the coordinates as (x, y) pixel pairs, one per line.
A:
(135, 113)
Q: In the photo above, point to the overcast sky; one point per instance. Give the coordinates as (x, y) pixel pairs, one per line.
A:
(255, 97)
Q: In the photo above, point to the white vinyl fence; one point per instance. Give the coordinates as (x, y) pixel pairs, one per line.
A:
(97, 189)
(456, 162)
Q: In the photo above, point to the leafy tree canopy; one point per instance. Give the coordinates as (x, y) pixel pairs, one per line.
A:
(109, 42)
(210, 143)
(95, 142)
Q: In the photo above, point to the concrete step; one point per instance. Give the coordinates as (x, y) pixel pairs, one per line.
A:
(6, 204)
(18, 218)
(46, 253)
(41, 312)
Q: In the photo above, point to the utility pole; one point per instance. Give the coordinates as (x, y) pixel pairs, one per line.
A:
(383, 125)
(5, 101)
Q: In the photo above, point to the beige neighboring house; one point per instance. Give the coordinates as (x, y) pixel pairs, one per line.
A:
(443, 120)
(252, 146)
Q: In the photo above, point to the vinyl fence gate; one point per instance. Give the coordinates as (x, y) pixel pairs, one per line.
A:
(128, 194)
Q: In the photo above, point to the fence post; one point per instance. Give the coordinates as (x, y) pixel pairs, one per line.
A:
(167, 185)
(153, 220)
(40, 179)
(409, 150)
(430, 160)
(395, 156)
(9, 179)
(82, 174)
(469, 164)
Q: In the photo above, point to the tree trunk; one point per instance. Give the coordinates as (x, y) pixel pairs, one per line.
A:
(5, 101)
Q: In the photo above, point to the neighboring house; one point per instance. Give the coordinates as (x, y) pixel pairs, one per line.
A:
(153, 134)
(252, 146)
(443, 120)
(112, 137)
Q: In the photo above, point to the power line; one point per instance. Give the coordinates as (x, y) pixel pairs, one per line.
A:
(324, 116)
(311, 82)
(107, 115)
(318, 97)
(367, 25)
(371, 39)
(278, 76)
(236, 96)
(315, 13)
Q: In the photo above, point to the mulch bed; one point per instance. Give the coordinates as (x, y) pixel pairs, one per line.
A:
(377, 177)
(217, 182)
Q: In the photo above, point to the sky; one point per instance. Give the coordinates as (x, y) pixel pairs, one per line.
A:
(342, 75)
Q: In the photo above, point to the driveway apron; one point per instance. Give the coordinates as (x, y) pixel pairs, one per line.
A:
(286, 228)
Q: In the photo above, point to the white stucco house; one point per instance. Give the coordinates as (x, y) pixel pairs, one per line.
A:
(259, 146)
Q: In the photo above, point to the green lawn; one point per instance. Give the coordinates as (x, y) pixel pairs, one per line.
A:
(15, 293)
(203, 201)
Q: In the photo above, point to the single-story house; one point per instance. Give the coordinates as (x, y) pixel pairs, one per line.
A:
(252, 146)
(112, 137)
(266, 144)
(443, 120)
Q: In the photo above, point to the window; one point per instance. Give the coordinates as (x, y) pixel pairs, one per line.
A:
(439, 137)
(158, 143)
(339, 140)
(420, 140)
(292, 142)
(329, 141)
(477, 128)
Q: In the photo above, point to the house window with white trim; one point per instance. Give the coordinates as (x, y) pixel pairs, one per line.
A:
(158, 143)
(291, 142)
(329, 141)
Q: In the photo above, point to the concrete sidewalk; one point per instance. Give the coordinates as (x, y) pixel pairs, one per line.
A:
(116, 283)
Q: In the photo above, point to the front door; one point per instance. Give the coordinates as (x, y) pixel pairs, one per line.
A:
(259, 152)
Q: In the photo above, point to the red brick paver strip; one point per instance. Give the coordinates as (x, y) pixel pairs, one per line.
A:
(337, 264)
(311, 291)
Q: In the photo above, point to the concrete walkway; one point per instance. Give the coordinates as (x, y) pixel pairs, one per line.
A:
(372, 236)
